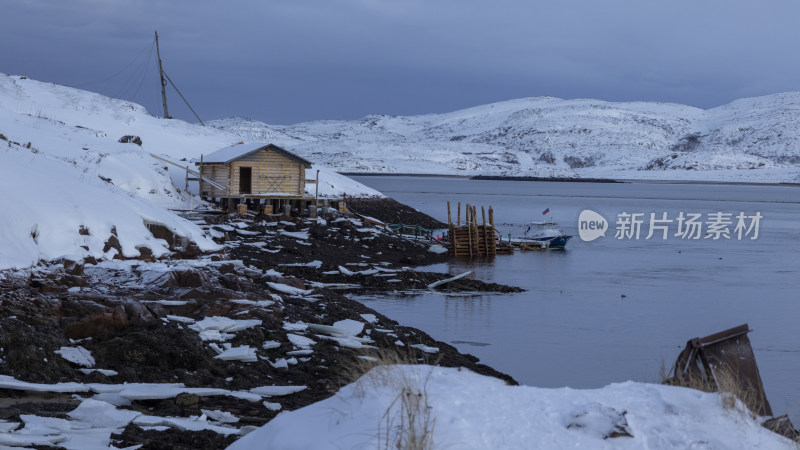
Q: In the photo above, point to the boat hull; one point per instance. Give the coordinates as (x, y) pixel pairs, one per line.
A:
(558, 242)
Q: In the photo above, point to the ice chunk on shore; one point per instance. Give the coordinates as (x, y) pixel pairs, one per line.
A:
(316, 264)
(220, 416)
(272, 406)
(7, 382)
(243, 353)
(180, 319)
(106, 372)
(438, 249)
(300, 341)
(77, 355)
(369, 318)
(286, 289)
(270, 344)
(279, 364)
(352, 327)
(302, 235)
(276, 391)
(425, 348)
(102, 415)
(182, 423)
(299, 326)
(221, 323)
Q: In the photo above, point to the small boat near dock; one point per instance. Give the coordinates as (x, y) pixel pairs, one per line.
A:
(546, 232)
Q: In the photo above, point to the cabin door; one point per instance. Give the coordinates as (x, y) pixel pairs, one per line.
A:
(245, 180)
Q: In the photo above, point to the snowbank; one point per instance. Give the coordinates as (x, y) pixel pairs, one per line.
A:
(333, 185)
(64, 170)
(470, 411)
(52, 209)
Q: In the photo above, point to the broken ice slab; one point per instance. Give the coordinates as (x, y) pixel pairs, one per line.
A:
(76, 355)
(244, 353)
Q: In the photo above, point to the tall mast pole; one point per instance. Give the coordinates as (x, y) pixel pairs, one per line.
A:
(163, 81)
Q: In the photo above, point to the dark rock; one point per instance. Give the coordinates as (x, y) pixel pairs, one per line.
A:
(27, 352)
(127, 139)
(100, 320)
(145, 254)
(187, 399)
(73, 281)
(188, 278)
(73, 267)
(291, 281)
(226, 268)
(113, 242)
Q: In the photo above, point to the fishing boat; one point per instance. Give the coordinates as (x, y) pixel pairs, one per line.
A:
(546, 232)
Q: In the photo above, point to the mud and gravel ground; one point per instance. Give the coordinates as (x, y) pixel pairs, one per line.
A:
(124, 313)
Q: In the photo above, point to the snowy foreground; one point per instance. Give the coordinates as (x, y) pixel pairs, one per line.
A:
(445, 407)
(470, 411)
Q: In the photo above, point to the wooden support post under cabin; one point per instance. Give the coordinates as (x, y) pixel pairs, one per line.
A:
(458, 223)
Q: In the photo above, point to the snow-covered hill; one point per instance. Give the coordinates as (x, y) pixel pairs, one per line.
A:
(755, 139)
(67, 183)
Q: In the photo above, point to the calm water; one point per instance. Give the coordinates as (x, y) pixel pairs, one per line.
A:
(573, 327)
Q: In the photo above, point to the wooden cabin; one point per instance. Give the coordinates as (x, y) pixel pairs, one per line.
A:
(253, 172)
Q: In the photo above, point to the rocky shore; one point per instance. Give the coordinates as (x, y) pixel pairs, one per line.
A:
(196, 350)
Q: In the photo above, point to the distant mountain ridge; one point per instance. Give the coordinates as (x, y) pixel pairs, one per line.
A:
(752, 139)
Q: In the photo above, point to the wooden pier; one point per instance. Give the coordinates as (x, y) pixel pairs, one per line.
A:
(471, 239)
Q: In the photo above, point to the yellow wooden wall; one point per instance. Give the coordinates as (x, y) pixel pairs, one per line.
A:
(217, 173)
(271, 173)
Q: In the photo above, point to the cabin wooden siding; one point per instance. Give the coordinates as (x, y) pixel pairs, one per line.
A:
(217, 173)
(271, 173)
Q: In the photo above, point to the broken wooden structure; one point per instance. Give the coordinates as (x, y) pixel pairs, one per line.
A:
(265, 177)
(471, 239)
(726, 361)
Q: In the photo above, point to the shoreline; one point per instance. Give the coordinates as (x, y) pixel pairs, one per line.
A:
(570, 180)
(282, 282)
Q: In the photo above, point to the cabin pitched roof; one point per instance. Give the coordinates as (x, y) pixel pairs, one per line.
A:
(234, 152)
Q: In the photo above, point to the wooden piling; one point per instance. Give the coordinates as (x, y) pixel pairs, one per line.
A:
(485, 232)
(468, 222)
(449, 222)
(471, 238)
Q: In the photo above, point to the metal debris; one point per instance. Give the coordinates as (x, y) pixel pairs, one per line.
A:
(723, 361)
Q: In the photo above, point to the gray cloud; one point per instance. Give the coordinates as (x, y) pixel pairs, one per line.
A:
(285, 61)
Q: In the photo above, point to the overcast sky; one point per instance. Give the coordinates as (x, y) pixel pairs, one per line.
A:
(287, 61)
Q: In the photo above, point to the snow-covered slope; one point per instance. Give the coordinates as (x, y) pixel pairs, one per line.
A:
(459, 409)
(64, 173)
(756, 139)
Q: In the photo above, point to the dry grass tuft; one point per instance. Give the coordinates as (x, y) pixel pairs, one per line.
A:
(727, 382)
(408, 423)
